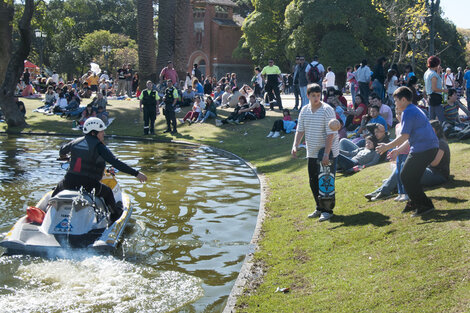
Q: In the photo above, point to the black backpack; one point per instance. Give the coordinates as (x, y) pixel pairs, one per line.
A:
(262, 114)
(313, 74)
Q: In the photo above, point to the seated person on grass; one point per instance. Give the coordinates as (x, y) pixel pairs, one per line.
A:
(242, 107)
(354, 115)
(103, 115)
(99, 101)
(188, 96)
(86, 114)
(451, 109)
(286, 125)
(191, 116)
(233, 99)
(218, 93)
(209, 111)
(384, 110)
(372, 117)
(349, 161)
(225, 97)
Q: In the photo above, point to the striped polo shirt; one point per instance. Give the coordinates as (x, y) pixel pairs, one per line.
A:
(315, 126)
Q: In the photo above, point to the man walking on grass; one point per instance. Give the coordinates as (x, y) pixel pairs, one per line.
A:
(313, 123)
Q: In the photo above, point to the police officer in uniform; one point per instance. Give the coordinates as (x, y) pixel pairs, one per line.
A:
(88, 157)
(149, 99)
(171, 96)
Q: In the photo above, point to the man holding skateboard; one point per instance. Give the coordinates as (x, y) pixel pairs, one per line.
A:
(322, 149)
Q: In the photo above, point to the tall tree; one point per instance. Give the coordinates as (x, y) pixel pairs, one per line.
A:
(166, 32)
(181, 39)
(15, 67)
(146, 40)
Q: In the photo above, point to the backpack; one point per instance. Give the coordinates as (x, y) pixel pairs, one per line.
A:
(262, 113)
(313, 74)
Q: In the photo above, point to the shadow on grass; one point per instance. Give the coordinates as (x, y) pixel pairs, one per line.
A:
(448, 199)
(441, 216)
(456, 183)
(361, 219)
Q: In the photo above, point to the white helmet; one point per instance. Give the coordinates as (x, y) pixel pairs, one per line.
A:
(93, 123)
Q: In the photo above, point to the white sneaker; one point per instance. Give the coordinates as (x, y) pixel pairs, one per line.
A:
(398, 198)
(404, 197)
(270, 134)
(315, 214)
(276, 134)
(181, 121)
(325, 216)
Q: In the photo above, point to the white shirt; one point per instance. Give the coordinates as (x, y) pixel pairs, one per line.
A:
(62, 103)
(315, 126)
(259, 80)
(391, 85)
(55, 78)
(104, 76)
(450, 79)
(330, 79)
(320, 67)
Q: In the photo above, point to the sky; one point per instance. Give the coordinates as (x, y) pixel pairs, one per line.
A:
(458, 11)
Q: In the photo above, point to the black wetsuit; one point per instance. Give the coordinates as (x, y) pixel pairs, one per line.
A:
(87, 163)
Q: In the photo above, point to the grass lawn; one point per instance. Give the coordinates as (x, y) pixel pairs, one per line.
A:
(368, 258)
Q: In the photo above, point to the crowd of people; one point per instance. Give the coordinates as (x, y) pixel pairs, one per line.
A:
(381, 101)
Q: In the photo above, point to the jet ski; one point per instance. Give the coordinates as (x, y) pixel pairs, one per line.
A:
(70, 220)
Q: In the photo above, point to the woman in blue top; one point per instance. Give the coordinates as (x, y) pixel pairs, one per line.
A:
(424, 145)
(433, 88)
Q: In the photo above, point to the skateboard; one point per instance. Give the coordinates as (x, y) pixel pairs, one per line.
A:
(326, 186)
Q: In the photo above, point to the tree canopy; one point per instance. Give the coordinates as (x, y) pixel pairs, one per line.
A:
(343, 32)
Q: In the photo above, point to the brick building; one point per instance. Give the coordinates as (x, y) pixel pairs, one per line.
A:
(214, 32)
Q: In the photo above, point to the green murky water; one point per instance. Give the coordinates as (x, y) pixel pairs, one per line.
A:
(194, 219)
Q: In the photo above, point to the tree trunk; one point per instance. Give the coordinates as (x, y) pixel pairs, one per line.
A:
(181, 37)
(6, 15)
(146, 41)
(15, 66)
(166, 32)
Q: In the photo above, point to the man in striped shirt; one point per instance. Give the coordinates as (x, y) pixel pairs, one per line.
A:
(322, 142)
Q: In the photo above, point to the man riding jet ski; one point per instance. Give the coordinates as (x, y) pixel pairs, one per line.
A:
(89, 155)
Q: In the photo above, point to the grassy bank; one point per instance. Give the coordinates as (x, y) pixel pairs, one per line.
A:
(369, 258)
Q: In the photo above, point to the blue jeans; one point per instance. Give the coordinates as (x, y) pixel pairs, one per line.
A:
(353, 92)
(347, 145)
(303, 95)
(431, 178)
(345, 163)
(400, 160)
(467, 93)
(389, 185)
(208, 114)
(378, 88)
(437, 111)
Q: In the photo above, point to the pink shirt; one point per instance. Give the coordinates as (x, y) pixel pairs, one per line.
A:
(167, 73)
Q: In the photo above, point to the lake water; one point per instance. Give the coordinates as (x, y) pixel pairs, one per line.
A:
(192, 225)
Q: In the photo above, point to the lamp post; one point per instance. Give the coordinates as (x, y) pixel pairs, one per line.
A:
(413, 38)
(106, 51)
(41, 37)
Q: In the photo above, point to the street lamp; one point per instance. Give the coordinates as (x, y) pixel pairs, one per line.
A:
(106, 51)
(413, 38)
(41, 37)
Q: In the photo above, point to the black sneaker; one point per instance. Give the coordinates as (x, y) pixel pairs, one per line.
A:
(174, 132)
(167, 131)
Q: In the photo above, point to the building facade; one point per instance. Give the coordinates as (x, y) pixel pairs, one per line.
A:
(214, 32)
